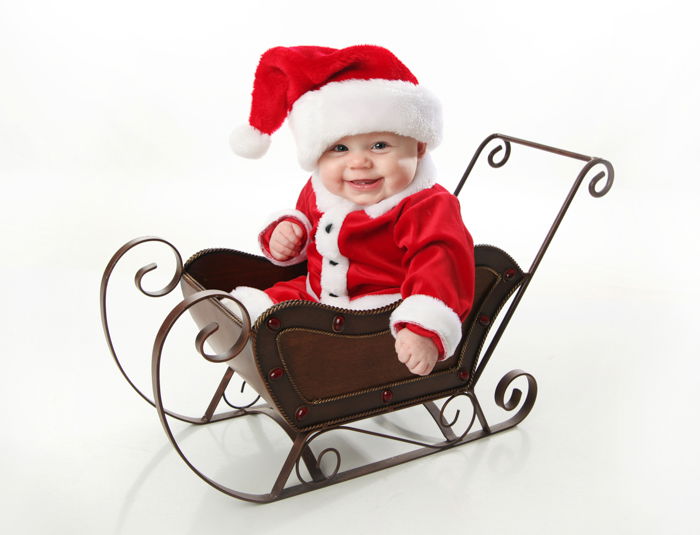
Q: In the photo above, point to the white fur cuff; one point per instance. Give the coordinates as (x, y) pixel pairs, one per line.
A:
(255, 301)
(431, 314)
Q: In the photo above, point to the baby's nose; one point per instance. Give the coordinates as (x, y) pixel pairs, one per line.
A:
(360, 160)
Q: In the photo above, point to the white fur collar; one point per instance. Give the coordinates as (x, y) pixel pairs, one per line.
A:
(424, 179)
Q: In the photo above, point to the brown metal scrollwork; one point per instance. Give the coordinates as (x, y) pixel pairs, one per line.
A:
(211, 328)
(207, 331)
(505, 145)
(138, 278)
(201, 338)
(334, 473)
(515, 398)
(442, 423)
(608, 174)
(503, 158)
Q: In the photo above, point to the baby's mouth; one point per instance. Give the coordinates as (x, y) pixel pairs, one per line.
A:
(365, 182)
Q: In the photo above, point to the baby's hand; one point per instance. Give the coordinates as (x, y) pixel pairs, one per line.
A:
(417, 352)
(285, 242)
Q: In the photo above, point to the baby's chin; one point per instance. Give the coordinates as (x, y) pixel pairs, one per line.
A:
(364, 196)
(365, 199)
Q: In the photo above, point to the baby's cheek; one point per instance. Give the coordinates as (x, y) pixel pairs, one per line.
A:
(409, 166)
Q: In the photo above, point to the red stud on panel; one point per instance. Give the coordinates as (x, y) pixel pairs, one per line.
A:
(276, 373)
(338, 323)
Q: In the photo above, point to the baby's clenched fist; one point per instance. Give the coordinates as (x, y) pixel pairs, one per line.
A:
(417, 352)
(286, 241)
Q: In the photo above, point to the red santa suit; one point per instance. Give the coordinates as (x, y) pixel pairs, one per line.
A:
(411, 246)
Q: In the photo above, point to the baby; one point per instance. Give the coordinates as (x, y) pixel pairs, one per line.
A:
(371, 223)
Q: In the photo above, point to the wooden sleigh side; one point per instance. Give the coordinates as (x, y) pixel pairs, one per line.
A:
(303, 351)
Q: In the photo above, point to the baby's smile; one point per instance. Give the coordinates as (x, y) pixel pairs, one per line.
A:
(365, 183)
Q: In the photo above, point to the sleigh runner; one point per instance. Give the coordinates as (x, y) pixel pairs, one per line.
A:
(325, 368)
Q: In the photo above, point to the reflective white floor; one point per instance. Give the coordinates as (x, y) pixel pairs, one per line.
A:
(610, 446)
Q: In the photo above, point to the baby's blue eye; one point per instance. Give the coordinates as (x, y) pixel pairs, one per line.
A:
(339, 148)
(380, 145)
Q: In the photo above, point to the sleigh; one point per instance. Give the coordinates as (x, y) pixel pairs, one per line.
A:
(329, 370)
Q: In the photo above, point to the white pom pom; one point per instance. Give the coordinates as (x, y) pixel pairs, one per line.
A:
(249, 142)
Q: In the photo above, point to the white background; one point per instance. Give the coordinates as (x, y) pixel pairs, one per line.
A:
(114, 120)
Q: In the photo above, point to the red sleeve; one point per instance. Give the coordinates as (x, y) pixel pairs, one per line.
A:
(438, 288)
(300, 215)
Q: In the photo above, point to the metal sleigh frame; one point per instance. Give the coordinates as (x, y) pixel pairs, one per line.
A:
(290, 334)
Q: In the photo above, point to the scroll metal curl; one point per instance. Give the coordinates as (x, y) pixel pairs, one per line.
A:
(138, 278)
(201, 338)
(206, 332)
(151, 267)
(491, 157)
(505, 143)
(504, 157)
(451, 424)
(516, 397)
(247, 406)
(336, 468)
(608, 174)
(438, 446)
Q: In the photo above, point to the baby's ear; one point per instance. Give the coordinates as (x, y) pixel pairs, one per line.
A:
(421, 149)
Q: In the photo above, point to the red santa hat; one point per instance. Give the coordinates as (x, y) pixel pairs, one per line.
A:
(330, 93)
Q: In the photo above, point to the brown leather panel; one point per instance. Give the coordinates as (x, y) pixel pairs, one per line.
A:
(485, 279)
(324, 365)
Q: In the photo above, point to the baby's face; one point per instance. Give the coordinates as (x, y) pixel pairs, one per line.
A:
(368, 168)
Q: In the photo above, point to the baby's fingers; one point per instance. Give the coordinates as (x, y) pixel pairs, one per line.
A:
(420, 368)
(402, 352)
(283, 249)
(291, 232)
(298, 231)
(287, 243)
(280, 253)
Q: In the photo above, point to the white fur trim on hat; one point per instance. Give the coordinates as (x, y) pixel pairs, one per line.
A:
(339, 109)
(431, 314)
(275, 218)
(249, 142)
(255, 301)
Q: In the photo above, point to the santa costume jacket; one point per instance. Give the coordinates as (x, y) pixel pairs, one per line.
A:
(411, 246)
